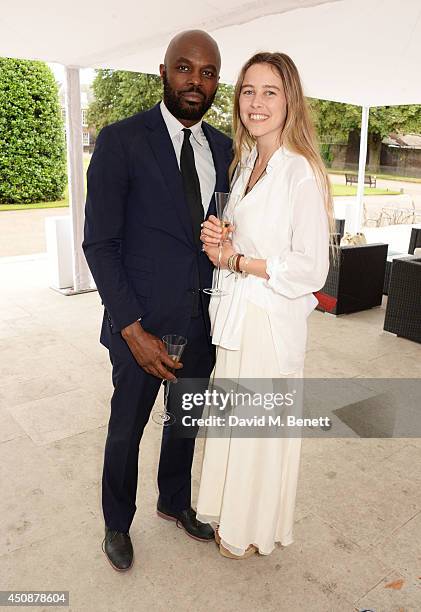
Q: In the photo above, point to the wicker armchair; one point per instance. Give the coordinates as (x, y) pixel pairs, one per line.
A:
(414, 243)
(403, 311)
(415, 240)
(355, 277)
(339, 231)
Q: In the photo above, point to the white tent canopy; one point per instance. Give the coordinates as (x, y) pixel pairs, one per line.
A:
(364, 52)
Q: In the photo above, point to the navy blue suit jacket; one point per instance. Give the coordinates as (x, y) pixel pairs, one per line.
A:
(138, 239)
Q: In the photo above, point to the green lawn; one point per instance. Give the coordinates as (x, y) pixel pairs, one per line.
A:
(391, 177)
(350, 190)
(58, 204)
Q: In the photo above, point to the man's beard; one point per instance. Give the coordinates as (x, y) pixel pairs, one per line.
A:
(180, 108)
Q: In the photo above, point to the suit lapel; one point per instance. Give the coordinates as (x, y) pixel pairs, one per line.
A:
(220, 163)
(166, 159)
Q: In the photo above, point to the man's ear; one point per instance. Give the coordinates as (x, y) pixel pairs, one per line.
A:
(161, 70)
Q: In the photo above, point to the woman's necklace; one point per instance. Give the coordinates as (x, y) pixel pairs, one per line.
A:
(250, 187)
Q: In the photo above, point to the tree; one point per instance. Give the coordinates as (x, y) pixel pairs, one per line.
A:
(338, 121)
(220, 114)
(32, 142)
(119, 94)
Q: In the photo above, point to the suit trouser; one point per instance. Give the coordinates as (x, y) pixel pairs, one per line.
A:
(134, 395)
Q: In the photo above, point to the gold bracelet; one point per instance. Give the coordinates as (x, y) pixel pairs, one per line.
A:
(231, 261)
(244, 272)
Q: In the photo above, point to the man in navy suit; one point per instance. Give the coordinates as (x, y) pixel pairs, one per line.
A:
(150, 185)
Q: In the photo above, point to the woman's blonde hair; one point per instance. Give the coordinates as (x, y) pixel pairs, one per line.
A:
(298, 134)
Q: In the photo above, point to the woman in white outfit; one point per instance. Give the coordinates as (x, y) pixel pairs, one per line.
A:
(280, 253)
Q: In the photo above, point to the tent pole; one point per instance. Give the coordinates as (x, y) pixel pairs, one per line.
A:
(81, 275)
(359, 210)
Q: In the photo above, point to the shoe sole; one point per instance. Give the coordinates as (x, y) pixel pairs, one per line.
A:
(229, 555)
(168, 517)
(119, 569)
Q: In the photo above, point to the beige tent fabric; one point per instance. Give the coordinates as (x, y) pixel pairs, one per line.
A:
(365, 53)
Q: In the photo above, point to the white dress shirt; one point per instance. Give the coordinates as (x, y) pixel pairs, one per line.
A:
(283, 220)
(202, 153)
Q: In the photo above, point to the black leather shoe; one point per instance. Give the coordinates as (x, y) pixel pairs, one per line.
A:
(188, 521)
(118, 549)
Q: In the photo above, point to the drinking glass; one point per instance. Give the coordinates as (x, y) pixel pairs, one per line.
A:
(223, 203)
(175, 346)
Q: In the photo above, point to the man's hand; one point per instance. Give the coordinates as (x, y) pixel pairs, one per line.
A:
(149, 352)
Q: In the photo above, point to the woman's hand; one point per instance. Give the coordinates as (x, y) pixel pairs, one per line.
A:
(212, 232)
(213, 253)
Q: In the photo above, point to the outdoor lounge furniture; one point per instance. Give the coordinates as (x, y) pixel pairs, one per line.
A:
(340, 226)
(370, 216)
(414, 242)
(352, 179)
(403, 311)
(397, 216)
(388, 210)
(355, 277)
(339, 231)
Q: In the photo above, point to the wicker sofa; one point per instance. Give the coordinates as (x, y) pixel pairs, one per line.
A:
(403, 311)
(355, 277)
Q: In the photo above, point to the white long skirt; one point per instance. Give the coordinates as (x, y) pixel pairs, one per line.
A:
(248, 485)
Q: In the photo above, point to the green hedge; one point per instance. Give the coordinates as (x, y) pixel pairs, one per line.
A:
(32, 142)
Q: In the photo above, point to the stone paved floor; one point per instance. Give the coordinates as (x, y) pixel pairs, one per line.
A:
(23, 231)
(358, 519)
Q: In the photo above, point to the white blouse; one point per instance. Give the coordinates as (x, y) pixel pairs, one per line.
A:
(283, 220)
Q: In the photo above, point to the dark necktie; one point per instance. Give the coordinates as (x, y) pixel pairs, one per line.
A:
(191, 184)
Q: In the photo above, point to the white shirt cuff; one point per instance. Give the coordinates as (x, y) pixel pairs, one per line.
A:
(274, 266)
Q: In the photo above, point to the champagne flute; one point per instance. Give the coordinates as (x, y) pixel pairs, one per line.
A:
(221, 200)
(175, 346)
(228, 215)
